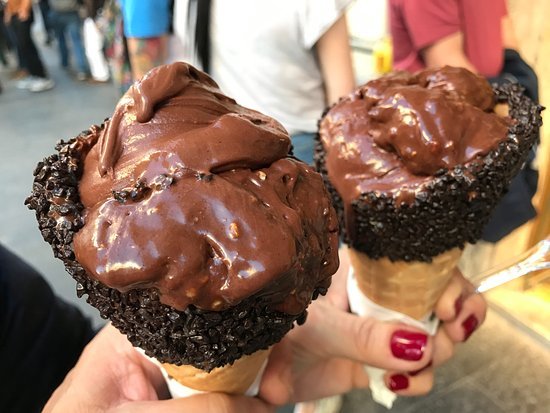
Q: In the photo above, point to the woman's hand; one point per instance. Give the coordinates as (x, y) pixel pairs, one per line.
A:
(326, 356)
(111, 376)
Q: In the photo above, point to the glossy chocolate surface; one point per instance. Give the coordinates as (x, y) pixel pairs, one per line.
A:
(189, 193)
(392, 135)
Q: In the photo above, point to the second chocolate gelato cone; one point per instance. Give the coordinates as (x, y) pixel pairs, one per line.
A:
(416, 163)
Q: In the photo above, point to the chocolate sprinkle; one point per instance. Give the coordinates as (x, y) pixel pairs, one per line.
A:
(203, 339)
(454, 207)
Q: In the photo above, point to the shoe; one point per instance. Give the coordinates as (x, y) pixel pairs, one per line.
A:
(25, 83)
(41, 84)
(93, 81)
(81, 76)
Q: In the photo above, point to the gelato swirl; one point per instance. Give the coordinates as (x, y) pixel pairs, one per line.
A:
(416, 163)
(195, 196)
(395, 133)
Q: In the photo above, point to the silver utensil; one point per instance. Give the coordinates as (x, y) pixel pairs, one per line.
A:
(535, 259)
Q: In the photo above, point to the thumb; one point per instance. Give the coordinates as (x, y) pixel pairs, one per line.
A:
(202, 403)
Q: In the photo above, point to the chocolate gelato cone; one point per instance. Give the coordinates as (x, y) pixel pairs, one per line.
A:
(415, 164)
(185, 221)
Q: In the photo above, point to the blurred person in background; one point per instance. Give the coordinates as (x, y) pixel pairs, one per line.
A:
(19, 15)
(66, 22)
(9, 42)
(94, 41)
(109, 23)
(288, 59)
(44, 6)
(479, 36)
(146, 26)
(6, 45)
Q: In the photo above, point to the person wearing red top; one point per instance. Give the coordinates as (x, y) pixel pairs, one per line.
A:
(465, 33)
(477, 35)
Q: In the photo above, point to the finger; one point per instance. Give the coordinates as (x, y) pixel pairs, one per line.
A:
(203, 403)
(386, 345)
(450, 303)
(410, 385)
(328, 378)
(153, 374)
(276, 387)
(444, 348)
(283, 384)
(468, 320)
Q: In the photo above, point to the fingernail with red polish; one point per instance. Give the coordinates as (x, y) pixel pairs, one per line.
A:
(407, 345)
(469, 325)
(398, 382)
(458, 305)
(427, 366)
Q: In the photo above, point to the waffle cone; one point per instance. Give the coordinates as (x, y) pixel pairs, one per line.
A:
(411, 288)
(231, 379)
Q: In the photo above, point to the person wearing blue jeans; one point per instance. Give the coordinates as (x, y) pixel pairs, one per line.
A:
(303, 145)
(65, 21)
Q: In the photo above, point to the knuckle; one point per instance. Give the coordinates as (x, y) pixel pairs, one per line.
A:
(362, 337)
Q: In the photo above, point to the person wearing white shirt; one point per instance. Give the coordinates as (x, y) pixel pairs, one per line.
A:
(289, 59)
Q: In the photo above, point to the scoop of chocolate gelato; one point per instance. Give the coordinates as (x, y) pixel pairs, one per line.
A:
(417, 162)
(187, 222)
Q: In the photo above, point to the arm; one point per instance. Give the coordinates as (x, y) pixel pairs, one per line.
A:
(24, 11)
(447, 51)
(509, 40)
(335, 60)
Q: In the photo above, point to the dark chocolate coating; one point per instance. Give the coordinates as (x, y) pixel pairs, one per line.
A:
(453, 208)
(169, 335)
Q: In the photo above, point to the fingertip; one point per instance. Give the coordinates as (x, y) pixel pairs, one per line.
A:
(276, 389)
(397, 382)
(409, 345)
(398, 347)
(469, 326)
(469, 320)
(407, 385)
